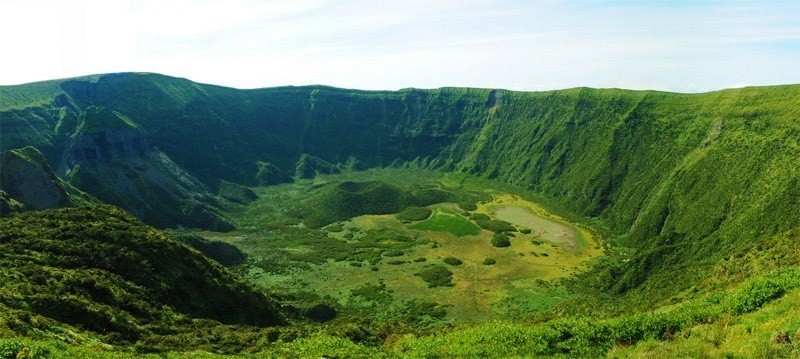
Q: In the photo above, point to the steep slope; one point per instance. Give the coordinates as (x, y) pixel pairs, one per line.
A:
(99, 269)
(682, 179)
(28, 180)
(109, 156)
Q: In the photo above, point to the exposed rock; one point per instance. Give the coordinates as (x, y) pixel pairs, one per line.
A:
(110, 157)
(27, 179)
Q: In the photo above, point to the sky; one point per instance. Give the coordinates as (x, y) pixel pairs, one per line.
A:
(681, 46)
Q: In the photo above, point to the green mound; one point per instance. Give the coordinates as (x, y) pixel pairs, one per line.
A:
(414, 213)
(98, 269)
(456, 225)
(310, 166)
(236, 193)
(345, 200)
(269, 174)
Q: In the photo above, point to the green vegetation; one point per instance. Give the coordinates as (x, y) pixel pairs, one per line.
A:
(414, 213)
(221, 252)
(345, 200)
(456, 225)
(496, 226)
(500, 240)
(236, 193)
(101, 274)
(27, 181)
(692, 193)
(453, 261)
(437, 276)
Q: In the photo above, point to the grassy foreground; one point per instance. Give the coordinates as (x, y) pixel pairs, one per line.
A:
(756, 319)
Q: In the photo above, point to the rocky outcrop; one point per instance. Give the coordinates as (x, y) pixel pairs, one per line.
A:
(27, 180)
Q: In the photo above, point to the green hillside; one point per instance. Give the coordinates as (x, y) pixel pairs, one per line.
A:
(681, 191)
(96, 273)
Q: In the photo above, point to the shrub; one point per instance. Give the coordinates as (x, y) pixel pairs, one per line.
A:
(525, 231)
(453, 261)
(500, 240)
(479, 217)
(497, 226)
(335, 228)
(321, 313)
(467, 206)
(437, 276)
(421, 259)
(489, 261)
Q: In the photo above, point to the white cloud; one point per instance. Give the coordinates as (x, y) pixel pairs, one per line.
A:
(389, 45)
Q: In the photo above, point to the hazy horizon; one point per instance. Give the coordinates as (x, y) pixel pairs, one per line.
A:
(677, 46)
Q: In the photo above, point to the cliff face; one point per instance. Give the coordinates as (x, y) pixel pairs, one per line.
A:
(109, 155)
(28, 182)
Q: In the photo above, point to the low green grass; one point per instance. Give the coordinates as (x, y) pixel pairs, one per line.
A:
(455, 225)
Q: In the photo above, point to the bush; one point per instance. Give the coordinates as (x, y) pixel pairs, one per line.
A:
(421, 259)
(525, 231)
(453, 261)
(479, 217)
(393, 253)
(321, 313)
(335, 228)
(468, 206)
(437, 276)
(500, 240)
(489, 261)
(497, 226)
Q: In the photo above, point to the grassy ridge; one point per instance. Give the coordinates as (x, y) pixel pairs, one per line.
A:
(100, 270)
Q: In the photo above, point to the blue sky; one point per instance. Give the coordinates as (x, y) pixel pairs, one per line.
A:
(683, 46)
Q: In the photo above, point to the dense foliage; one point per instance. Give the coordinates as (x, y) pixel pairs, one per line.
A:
(99, 269)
